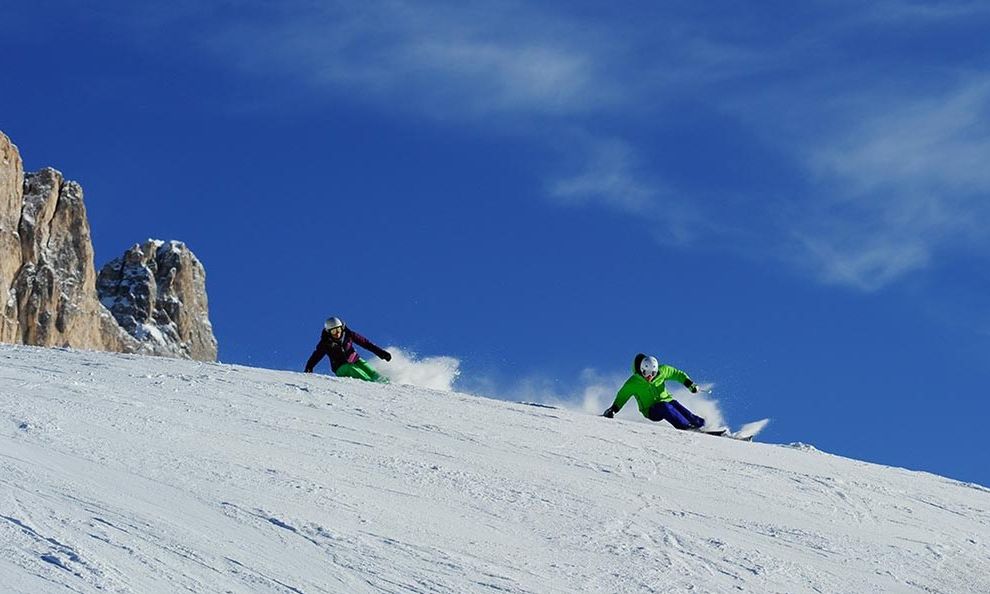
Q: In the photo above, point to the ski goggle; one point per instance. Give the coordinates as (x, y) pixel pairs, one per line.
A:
(337, 332)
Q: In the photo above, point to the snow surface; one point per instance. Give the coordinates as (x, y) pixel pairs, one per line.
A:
(123, 473)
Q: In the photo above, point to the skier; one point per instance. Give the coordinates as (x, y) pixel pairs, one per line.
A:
(336, 342)
(656, 404)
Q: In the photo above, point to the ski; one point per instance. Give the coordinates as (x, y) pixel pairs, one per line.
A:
(537, 404)
(746, 433)
(739, 437)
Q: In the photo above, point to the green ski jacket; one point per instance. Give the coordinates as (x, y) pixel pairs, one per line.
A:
(648, 393)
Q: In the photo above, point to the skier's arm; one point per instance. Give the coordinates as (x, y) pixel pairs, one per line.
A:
(668, 372)
(377, 350)
(620, 400)
(318, 353)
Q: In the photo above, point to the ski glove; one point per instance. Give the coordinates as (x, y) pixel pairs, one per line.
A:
(386, 355)
(691, 386)
(609, 413)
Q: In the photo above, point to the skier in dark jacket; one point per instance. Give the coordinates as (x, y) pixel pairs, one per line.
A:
(337, 342)
(646, 385)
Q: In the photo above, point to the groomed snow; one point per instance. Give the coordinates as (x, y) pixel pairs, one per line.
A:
(123, 473)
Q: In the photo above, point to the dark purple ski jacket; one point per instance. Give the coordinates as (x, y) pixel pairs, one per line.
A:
(342, 351)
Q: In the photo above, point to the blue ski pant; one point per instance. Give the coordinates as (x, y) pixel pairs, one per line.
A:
(676, 414)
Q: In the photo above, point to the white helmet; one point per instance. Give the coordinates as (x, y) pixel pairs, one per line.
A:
(649, 367)
(332, 323)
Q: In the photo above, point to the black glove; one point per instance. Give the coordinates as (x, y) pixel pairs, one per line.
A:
(691, 386)
(609, 413)
(386, 355)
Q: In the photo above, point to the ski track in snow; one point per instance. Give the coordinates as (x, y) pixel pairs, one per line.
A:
(122, 473)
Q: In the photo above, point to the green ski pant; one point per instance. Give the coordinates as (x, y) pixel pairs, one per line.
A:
(362, 371)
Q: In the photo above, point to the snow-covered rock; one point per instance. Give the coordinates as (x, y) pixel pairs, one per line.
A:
(121, 473)
(157, 292)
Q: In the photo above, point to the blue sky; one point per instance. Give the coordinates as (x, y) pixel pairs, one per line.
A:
(789, 202)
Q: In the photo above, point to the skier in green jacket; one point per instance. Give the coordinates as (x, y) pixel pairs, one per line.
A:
(656, 404)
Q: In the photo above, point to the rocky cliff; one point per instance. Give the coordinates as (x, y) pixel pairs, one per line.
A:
(157, 292)
(48, 277)
(11, 201)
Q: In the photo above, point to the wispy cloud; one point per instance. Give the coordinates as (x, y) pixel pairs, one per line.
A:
(609, 172)
(842, 259)
(441, 60)
(940, 142)
(536, 72)
(905, 182)
(511, 69)
(610, 175)
(891, 156)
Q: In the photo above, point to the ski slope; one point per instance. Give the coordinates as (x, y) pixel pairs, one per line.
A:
(123, 473)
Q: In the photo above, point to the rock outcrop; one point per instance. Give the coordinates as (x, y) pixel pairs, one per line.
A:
(157, 292)
(55, 287)
(48, 276)
(11, 200)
